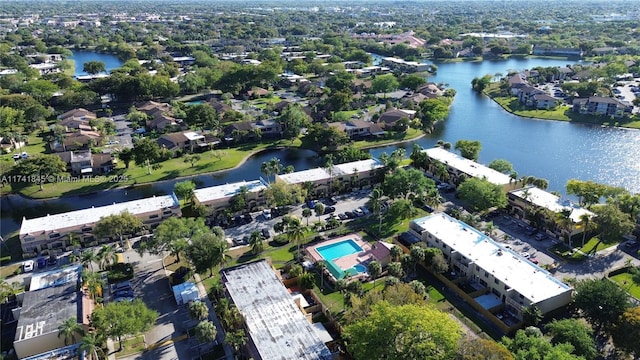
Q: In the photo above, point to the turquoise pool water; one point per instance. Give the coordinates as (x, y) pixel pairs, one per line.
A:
(339, 249)
(360, 268)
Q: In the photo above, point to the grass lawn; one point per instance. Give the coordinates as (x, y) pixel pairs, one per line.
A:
(410, 134)
(564, 252)
(170, 169)
(9, 270)
(594, 245)
(131, 346)
(626, 282)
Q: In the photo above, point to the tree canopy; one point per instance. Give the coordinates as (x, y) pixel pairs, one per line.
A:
(207, 250)
(481, 194)
(118, 319)
(469, 149)
(403, 332)
(601, 301)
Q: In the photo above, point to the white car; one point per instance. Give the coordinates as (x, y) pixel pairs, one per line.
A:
(266, 213)
(27, 266)
(113, 142)
(525, 255)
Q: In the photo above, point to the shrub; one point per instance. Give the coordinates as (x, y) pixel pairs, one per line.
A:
(119, 272)
(5, 259)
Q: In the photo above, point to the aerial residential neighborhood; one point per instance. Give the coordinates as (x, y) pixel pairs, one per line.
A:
(280, 180)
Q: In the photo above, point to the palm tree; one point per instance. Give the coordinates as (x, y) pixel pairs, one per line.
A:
(375, 270)
(488, 228)
(91, 345)
(106, 256)
(306, 213)
(94, 283)
(328, 166)
(321, 264)
(255, 240)
(319, 210)
(376, 205)
(296, 233)
(206, 331)
(564, 223)
(237, 339)
(198, 310)
(585, 221)
(88, 258)
(69, 328)
(266, 170)
(440, 171)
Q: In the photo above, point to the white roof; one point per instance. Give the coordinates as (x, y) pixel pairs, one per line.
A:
(94, 214)
(300, 177)
(276, 325)
(360, 166)
(528, 279)
(467, 166)
(56, 277)
(192, 135)
(549, 201)
(227, 190)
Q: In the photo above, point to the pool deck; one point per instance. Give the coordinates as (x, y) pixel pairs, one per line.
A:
(379, 252)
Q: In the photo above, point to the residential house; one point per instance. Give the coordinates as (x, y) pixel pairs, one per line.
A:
(458, 169)
(159, 115)
(257, 92)
(184, 140)
(390, 118)
(83, 162)
(598, 105)
(527, 202)
(277, 325)
(502, 281)
(527, 93)
(430, 90)
(239, 131)
(75, 117)
(51, 232)
(269, 128)
(81, 139)
(356, 129)
(219, 106)
(544, 101)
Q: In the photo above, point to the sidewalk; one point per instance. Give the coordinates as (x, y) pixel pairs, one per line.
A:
(212, 316)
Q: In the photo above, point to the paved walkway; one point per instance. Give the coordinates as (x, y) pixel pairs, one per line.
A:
(212, 316)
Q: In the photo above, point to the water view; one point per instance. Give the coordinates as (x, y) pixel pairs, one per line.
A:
(80, 57)
(554, 150)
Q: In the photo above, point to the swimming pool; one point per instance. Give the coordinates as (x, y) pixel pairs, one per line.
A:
(360, 268)
(339, 249)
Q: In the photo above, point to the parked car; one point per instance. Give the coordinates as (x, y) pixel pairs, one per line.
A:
(125, 285)
(329, 209)
(525, 255)
(266, 213)
(265, 233)
(121, 299)
(631, 244)
(358, 212)
(342, 216)
(123, 293)
(540, 236)
(350, 214)
(533, 260)
(52, 260)
(42, 263)
(27, 266)
(427, 208)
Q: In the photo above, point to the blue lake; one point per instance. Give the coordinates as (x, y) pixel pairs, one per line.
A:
(80, 57)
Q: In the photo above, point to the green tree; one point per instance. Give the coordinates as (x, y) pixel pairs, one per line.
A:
(146, 152)
(318, 210)
(292, 120)
(502, 166)
(39, 168)
(384, 84)
(93, 67)
(627, 331)
(185, 190)
(395, 269)
(172, 235)
(403, 332)
(574, 332)
(612, 223)
(482, 349)
(469, 149)
(125, 155)
(407, 184)
(481, 194)
(601, 302)
(206, 331)
(207, 251)
(88, 258)
(118, 319)
(198, 310)
(296, 233)
(479, 84)
(92, 345)
(412, 81)
(375, 270)
(106, 256)
(306, 213)
(530, 344)
(117, 225)
(237, 339)
(256, 242)
(69, 329)
(192, 159)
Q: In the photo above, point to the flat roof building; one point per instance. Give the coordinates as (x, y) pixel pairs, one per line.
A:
(510, 278)
(276, 325)
(457, 165)
(43, 311)
(218, 197)
(348, 175)
(48, 232)
(523, 203)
